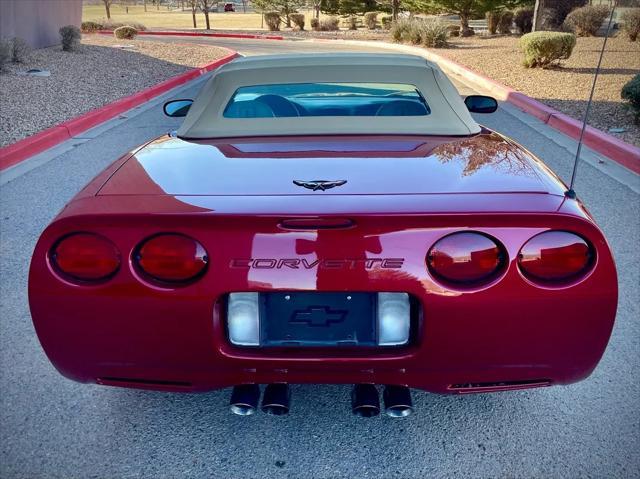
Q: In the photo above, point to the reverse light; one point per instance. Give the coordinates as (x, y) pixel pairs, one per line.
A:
(85, 257)
(243, 318)
(465, 257)
(555, 256)
(394, 319)
(171, 258)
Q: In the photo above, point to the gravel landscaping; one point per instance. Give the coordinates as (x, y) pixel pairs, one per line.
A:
(100, 72)
(567, 87)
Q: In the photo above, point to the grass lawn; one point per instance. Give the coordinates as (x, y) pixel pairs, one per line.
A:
(176, 19)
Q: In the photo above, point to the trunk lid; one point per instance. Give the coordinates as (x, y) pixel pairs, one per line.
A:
(484, 163)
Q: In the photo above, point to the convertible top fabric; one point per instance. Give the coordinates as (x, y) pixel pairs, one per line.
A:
(449, 115)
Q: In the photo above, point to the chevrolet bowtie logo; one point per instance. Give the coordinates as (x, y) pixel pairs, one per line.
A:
(321, 185)
(317, 316)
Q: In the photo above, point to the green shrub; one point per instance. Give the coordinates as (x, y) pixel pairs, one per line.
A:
(90, 27)
(125, 33)
(371, 20)
(493, 18)
(70, 36)
(414, 32)
(329, 24)
(434, 34)
(315, 24)
(352, 22)
(386, 22)
(523, 18)
(631, 93)
(298, 20)
(543, 48)
(20, 50)
(586, 21)
(505, 22)
(631, 23)
(5, 52)
(272, 19)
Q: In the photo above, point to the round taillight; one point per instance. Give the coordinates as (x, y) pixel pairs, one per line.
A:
(172, 258)
(465, 257)
(85, 257)
(555, 256)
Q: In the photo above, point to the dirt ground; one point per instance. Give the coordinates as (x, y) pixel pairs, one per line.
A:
(565, 88)
(100, 72)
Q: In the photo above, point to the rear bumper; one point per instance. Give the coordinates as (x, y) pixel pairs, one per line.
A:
(507, 334)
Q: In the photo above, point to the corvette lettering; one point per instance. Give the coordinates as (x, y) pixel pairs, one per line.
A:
(296, 263)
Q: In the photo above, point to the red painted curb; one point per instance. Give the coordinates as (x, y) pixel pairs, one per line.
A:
(613, 148)
(21, 150)
(201, 34)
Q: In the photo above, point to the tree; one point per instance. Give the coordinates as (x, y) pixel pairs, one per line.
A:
(466, 9)
(286, 8)
(107, 7)
(205, 5)
(193, 4)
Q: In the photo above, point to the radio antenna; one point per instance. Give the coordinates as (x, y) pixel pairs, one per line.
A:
(570, 193)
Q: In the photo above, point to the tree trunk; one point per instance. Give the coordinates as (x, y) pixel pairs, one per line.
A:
(395, 9)
(464, 22)
(206, 18)
(106, 7)
(193, 14)
(537, 16)
(145, 5)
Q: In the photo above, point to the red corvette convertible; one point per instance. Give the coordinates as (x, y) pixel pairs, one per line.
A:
(325, 219)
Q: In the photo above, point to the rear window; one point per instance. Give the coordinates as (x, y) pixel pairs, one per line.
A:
(326, 99)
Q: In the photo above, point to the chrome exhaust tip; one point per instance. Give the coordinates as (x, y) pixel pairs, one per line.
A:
(276, 399)
(364, 400)
(244, 399)
(397, 401)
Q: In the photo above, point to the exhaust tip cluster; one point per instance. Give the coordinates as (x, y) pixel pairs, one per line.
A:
(365, 401)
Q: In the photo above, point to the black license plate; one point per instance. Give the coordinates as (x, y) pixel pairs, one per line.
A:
(318, 319)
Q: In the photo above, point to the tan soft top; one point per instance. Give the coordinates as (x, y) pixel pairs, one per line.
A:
(449, 115)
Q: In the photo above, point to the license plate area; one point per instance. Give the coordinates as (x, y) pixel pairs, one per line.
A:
(301, 319)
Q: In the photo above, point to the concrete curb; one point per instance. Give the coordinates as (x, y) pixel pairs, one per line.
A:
(21, 150)
(179, 33)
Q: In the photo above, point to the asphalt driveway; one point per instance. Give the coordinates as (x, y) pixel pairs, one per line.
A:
(52, 427)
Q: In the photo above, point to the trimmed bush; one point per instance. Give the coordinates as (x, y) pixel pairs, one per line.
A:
(631, 23)
(298, 20)
(125, 33)
(371, 20)
(631, 93)
(70, 36)
(505, 22)
(111, 25)
(493, 18)
(544, 48)
(315, 24)
(272, 19)
(352, 23)
(5, 53)
(586, 21)
(523, 18)
(386, 22)
(20, 50)
(90, 27)
(329, 24)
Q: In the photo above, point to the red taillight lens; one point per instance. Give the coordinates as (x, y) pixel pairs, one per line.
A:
(465, 257)
(172, 258)
(555, 256)
(86, 257)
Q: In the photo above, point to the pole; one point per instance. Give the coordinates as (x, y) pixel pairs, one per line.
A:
(570, 192)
